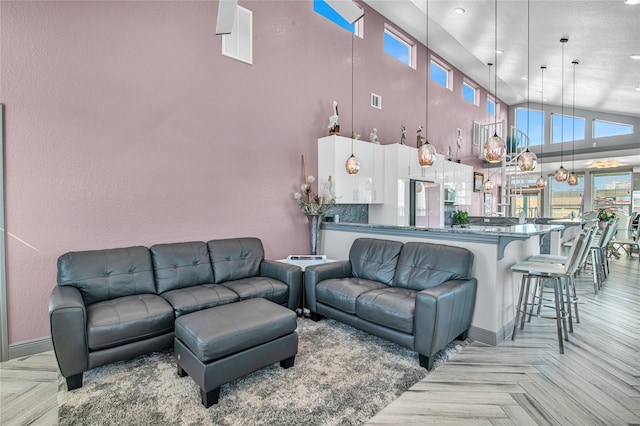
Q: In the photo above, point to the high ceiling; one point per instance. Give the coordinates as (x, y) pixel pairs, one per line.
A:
(602, 35)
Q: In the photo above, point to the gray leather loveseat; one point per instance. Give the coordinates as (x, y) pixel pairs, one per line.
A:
(115, 304)
(418, 295)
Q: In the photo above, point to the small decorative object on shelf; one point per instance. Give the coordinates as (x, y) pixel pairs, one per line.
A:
(461, 218)
(334, 126)
(449, 153)
(403, 138)
(419, 137)
(356, 136)
(313, 205)
(373, 136)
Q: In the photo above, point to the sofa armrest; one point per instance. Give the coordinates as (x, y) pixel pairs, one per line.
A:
(442, 313)
(289, 274)
(316, 273)
(68, 320)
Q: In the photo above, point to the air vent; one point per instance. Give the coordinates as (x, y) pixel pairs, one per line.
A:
(376, 101)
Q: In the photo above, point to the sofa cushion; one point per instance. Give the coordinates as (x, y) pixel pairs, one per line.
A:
(341, 293)
(391, 307)
(425, 265)
(107, 274)
(235, 258)
(127, 319)
(180, 265)
(197, 297)
(266, 288)
(374, 259)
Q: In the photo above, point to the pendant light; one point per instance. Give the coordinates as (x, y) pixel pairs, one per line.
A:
(427, 152)
(540, 182)
(561, 174)
(353, 164)
(495, 147)
(573, 177)
(488, 185)
(528, 160)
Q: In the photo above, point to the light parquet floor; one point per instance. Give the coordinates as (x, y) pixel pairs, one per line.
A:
(528, 382)
(522, 382)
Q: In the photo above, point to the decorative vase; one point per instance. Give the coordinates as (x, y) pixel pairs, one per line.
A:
(314, 230)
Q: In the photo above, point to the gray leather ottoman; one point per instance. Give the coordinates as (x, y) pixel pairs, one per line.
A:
(220, 344)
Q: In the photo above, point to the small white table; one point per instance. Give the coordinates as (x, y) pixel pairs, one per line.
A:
(302, 263)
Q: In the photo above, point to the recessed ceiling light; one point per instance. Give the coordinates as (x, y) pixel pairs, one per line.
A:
(524, 77)
(631, 1)
(635, 56)
(459, 10)
(637, 88)
(499, 52)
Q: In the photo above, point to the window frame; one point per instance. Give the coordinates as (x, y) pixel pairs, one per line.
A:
(597, 120)
(565, 187)
(400, 38)
(613, 205)
(492, 100)
(466, 84)
(356, 28)
(535, 123)
(447, 71)
(571, 139)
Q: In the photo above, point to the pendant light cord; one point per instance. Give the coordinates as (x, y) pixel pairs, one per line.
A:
(495, 73)
(528, 67)
(573, 120)
(353, 132)
(542, 68)
(563, 41)
(426, 130)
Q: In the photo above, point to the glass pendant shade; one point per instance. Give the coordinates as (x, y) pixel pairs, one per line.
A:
(352, 165)
(488, 185)
(540, 183)
(494, 149)
(561, 174)
(572, 179)
(527, 161)
(426, 154)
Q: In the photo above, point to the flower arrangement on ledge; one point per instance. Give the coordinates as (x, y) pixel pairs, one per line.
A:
(605, 216)
(310, 202)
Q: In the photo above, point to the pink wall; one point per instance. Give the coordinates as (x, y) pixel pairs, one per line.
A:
(126, 126)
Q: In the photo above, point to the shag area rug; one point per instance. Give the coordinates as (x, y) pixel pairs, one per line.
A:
(341, 376)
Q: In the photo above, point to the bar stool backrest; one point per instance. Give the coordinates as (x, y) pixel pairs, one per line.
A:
(611, 231)
(579, 247)
(624, 229)
(587, 248)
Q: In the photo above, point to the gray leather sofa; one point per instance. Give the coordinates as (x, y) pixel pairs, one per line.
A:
(418, 295)
(115, 304)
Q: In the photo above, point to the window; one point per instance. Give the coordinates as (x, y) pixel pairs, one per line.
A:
(566, 200)
(469, 93)
(321, 7)
(536, 125)
(398, 47)
(239, 44)
(491, 107)
(604, 129)
(439, 74)
(562, 128)
(612, 191)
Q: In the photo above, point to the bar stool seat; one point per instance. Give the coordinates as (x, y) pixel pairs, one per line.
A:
(554, 272)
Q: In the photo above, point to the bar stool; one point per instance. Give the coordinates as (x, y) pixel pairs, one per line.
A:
(555, 272)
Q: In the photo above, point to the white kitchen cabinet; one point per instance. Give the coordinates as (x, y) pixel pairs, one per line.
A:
(365, 187)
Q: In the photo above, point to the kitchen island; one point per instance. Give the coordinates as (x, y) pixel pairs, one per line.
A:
(495, 249)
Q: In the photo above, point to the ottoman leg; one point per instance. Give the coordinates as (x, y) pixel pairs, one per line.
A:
(210, 398)
(288, 363)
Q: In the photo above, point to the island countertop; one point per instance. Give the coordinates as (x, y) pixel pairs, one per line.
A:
(489, 234)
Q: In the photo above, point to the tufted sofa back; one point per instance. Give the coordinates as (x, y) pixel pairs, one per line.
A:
(424, 265)
(106, 274)
(180, 265)
(235, 258)
(374, 259)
